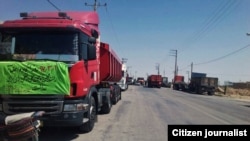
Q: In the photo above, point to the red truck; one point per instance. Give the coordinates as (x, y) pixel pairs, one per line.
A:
(56, 62)
(179, 83)
(154, 80)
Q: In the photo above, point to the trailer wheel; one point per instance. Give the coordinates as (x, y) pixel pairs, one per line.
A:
(92, 115)
(117, 93)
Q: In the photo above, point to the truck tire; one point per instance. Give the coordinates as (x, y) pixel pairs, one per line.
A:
(114, 100)
(35, 137)
(120, 93)
(114, 95)
(106, 108)
(210, 92)
(198, 90)
(92, 116)
(117, 94)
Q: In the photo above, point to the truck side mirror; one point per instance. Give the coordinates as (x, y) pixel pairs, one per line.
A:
(92, 40)
(91, 50)
(94, 33)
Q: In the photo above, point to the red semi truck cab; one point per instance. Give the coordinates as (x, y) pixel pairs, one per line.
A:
(56, 62)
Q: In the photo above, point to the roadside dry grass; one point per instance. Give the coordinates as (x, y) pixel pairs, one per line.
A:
(243, 94)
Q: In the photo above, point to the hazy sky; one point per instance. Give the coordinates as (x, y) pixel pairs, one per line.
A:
(209, 33)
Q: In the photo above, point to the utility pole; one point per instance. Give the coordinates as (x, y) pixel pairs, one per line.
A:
(95, 5)
(158, 68)
(174, 53)
(188, 76)
(192, 68)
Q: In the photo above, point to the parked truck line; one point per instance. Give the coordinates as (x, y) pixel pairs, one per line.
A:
(199, 83)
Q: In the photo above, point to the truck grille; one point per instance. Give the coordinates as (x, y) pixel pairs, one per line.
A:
(51, 104)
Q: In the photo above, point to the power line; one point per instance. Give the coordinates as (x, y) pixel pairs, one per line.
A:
(54, 5)
(219, 17)
(216, 59)
(113, 29)
(211, 22)
(222, 57)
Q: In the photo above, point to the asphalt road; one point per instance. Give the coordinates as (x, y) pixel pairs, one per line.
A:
(144, 114)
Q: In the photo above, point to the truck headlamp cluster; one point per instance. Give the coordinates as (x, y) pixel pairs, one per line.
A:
(69, 107)
(75, 107)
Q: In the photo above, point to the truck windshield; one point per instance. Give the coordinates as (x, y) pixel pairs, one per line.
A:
(46, 43)
(39, 44)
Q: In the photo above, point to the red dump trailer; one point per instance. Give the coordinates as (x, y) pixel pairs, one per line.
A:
(110, 65)
(56, 62)
(154, 80)
(179, 83)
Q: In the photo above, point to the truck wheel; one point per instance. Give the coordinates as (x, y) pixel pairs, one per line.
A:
(89, 125)
(114, 101)
(198, 91)
(210, 92)
(114, 98)
(35, 137)
(117, 93)
(120, 95)
(106, 108)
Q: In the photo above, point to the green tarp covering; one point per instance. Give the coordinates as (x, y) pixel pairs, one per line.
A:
(34, 77)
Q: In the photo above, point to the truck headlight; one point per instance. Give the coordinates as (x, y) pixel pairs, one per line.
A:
(75, 107)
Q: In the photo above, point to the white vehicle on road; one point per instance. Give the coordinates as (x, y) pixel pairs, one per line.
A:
(123, 82)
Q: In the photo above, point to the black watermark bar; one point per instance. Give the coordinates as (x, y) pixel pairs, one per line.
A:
(208, 132)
